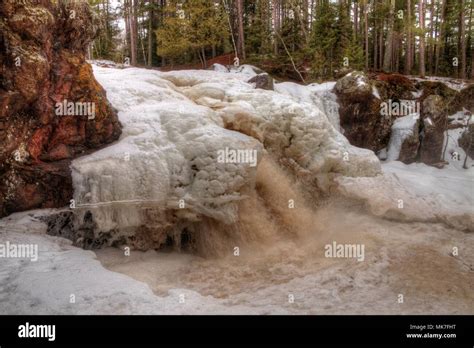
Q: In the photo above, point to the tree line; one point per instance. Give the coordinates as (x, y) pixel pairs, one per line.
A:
(321, 38)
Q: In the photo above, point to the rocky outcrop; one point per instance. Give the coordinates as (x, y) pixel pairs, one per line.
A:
(363, 99)
(359, 111)
(463, 99)
(393, 86)
(467, 141)
(410, 146)
(404, 139)
(262, 81)
(434, 117)
(51, 107)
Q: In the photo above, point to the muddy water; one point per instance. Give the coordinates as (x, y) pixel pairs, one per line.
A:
(281, 239)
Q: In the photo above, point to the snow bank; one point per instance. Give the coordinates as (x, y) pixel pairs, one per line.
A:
(455, 84)
(69, 280)
(417, 192)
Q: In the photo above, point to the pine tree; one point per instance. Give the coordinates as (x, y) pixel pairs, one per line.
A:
(190, 28)
(323, 40)
(106, 42)
(172, 37)
(348, 52)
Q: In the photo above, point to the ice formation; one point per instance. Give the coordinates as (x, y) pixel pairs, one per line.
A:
(163, 173)
(402, 128)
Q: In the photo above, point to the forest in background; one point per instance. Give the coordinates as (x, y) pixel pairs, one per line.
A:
(312, 39)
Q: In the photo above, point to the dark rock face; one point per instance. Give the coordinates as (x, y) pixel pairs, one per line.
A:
(410, 146)
(42, 65)
(451, 97)
(463, 99)
(467, 141)
(262, 81)
(359, 112)
(362, 97)
(434, 117)
(393, 86)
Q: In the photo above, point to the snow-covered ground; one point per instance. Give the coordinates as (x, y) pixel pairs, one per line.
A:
(413, 220)
(456, 84)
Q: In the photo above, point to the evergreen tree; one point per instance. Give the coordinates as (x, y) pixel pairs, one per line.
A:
(106, 43)
(323, 40)
(191, 27)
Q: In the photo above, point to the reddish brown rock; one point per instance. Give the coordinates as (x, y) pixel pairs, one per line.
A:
(393, 86)
(42, 63)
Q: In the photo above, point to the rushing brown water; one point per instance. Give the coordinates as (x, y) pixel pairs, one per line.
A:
(281, 237)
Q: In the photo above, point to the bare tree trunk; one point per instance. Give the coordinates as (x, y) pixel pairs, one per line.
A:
(462, 39)
(376, 49)
(387, 61)
(430, 47)
(421, 9)
(133, 31)
(302, 23)
(127, 24)
(356, 19)
(305, 14)
(440, 45)
(471, 33)
(276, 24)
(240, 18)
(436, 43)
(381, 45)
(366, 34)
(408, 61)
(150, 35)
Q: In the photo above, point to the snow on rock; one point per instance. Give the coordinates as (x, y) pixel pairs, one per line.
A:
(455, 84)
(454, 154)
(218, 67)
(375, 92)
(417, 192)
(321, 95)
(402, 128)
(245, 69)
(355, 82)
